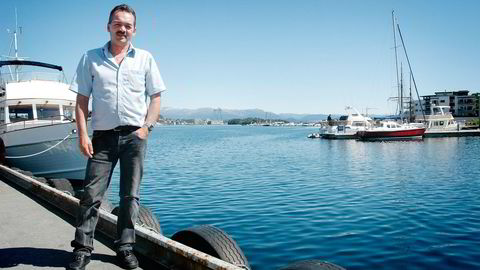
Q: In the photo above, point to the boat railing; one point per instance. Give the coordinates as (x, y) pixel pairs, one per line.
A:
(31, 76)
(36, 122)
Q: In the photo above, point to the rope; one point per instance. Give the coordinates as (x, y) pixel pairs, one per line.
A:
(46, 150)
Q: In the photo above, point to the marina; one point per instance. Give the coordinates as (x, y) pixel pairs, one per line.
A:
(385, 191)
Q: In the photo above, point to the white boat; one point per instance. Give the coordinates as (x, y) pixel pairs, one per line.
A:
(441, 123)
(440, 119)
(37, 122)
(347, 126)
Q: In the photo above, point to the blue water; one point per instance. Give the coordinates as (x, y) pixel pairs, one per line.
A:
(285, 198)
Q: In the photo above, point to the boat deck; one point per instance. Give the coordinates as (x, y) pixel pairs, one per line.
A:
(451, 133)
(35, 237)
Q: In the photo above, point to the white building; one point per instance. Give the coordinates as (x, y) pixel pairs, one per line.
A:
(461, 103)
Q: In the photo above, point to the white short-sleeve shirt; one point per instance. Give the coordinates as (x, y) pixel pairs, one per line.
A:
(119, 92)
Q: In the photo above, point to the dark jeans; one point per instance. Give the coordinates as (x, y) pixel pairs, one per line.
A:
(109, 147)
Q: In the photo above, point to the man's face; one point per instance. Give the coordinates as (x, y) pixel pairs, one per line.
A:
(122, 28)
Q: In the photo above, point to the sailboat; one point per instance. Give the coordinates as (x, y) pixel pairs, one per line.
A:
(390, 130)
(37, 118)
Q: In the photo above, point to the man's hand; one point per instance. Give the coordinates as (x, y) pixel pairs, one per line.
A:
(81, 115)
(142, 133)
(85, 146)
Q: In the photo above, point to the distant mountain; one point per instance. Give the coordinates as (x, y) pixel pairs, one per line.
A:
(227, 114)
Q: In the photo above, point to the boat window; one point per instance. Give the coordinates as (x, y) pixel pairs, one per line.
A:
(2, 115)
(69, 112)
(441, 123)
(20, 113)
(47, 111)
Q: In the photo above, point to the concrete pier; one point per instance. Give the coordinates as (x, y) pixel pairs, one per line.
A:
(33, 236)
(29, 237)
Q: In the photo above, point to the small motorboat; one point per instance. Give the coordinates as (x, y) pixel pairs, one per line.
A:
(390, 130)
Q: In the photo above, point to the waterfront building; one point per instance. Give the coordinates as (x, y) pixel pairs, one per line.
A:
(462, 103)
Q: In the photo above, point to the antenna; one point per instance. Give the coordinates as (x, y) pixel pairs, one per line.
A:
(15, 34)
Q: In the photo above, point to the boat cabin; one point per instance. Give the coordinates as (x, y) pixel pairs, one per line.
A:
(440, 118)
(39, 99)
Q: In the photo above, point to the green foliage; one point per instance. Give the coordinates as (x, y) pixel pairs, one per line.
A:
(473, 122)
(254, 121)
(245, 121)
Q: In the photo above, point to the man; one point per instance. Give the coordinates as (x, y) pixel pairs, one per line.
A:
(119, 78)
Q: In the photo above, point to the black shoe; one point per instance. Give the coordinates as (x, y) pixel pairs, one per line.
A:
(127, 259)
(80, 260)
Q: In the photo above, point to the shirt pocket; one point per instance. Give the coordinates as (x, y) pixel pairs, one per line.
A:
(137, 80)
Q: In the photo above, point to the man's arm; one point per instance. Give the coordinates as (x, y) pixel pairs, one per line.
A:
(81, 115)
(152, 114)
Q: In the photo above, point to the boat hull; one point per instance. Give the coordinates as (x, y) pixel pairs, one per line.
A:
(339, 136)
(451, 133)
(416, 133)
(34, 150)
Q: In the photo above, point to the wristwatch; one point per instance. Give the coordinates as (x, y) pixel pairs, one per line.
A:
(148, 126)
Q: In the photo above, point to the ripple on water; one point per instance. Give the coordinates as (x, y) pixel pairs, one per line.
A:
(285, 198)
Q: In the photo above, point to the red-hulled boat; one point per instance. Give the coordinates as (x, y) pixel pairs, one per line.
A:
(390, 130)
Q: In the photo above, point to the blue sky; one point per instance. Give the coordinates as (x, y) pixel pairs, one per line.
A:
(304, 56)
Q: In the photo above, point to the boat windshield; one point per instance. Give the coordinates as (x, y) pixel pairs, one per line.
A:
(19, 113)
(48, 111)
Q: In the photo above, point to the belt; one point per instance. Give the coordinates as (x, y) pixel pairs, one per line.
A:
(125, 128)
(119, 129)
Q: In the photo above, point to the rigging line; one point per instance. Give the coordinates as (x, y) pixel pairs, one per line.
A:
(413, 77)
(396, 58)
(43, 151)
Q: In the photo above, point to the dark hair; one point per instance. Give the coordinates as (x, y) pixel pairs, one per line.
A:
(123, 7)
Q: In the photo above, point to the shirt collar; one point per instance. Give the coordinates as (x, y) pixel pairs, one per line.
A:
(108, 54)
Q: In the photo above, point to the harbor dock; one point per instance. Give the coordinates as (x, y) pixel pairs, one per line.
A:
(36, 230)
(33, 236)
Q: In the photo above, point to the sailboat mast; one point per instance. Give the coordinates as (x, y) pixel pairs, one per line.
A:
(400, 97)
(411, 72)
(396, 60)
(410, 101)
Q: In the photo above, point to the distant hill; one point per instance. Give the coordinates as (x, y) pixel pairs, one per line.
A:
(227, 114)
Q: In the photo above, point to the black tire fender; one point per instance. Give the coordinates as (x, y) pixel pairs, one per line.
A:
(312, 265)
(213, 241)
(41, 180)
(62, 184)
(145, 218)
